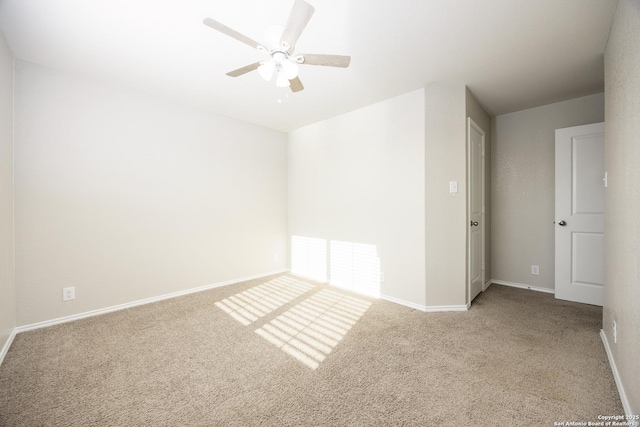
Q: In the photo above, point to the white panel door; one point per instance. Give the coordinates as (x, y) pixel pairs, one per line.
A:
(475, 201)
(580, 214)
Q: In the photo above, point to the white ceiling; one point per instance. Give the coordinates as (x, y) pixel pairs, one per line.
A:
(512, 54)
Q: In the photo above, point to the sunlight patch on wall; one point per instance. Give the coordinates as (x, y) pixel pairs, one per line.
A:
(310, 330)
(250, 305)
(309, 257)
(355, 266)
(349, 265)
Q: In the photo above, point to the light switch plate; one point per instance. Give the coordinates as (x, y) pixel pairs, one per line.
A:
(453, 187)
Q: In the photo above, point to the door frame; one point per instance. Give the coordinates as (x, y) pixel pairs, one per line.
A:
(472, 124)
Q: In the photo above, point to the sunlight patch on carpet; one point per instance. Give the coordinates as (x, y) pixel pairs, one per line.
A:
(248, 306)
(310, 330)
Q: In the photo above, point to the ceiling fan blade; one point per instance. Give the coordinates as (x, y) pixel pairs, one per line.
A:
(327, 60)
(295, 85)
(231, 33)
(298, 19)
(243, 70)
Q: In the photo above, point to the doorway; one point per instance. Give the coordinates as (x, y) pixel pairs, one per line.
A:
(475, 209)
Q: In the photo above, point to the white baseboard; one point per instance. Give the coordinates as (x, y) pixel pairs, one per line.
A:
(356, 291)
(440, 308)
(375, 295)
(395, 300)
(403, 302)
(7, 344)
(616, 374)
(124, 306)
(305, 277)
(486, 285)
(425, 308)
(523, 286)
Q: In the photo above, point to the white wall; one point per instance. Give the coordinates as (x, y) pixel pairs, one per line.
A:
(126, 197)
(523, 187)
(359, 178)
(446, 214)
(7, 288)
(622, 197)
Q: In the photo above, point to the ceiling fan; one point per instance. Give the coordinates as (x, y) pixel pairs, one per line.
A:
(280, 47)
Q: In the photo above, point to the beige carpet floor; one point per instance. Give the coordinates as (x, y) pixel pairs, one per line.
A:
(285, 351)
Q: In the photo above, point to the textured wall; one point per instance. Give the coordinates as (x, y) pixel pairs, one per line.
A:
(7, 288)
(523, 187)
(445, 214)
(126, 196)
(358, 178)
(622, 197)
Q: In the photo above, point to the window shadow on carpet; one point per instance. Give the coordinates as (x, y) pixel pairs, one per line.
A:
(305, 321)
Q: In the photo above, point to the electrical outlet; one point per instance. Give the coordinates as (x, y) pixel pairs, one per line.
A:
(535, 269)
(615, 332)
(68, 293)
(276, 257)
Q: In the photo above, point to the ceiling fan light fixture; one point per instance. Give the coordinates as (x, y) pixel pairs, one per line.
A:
(290, 69)
(266, 70)
(281, 79)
